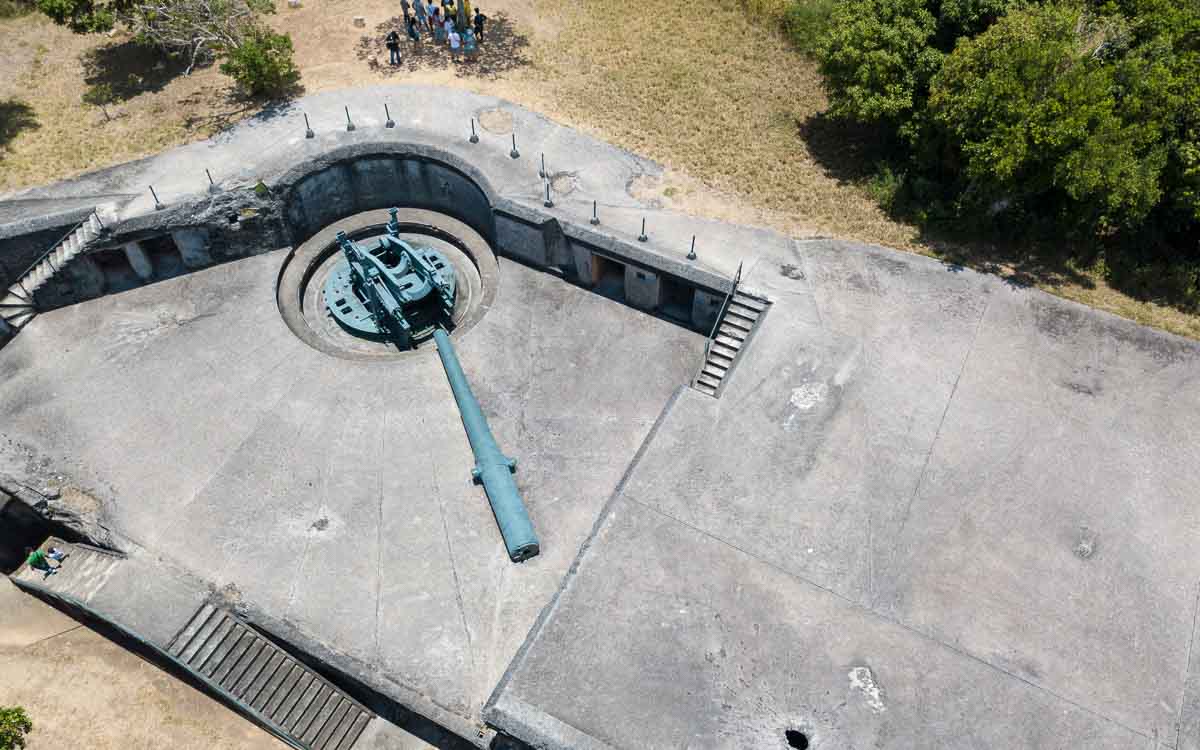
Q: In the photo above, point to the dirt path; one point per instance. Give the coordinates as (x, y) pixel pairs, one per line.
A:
(83, 691)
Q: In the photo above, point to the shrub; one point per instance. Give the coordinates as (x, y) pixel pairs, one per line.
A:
(14, 725)
(806, 23)
(100, 95)
(262, 64)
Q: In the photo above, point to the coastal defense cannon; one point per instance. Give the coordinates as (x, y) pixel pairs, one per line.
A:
(391, 290)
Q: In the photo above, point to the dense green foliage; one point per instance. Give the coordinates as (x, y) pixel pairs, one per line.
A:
(262, 64)
(14, 725)
(85, 16)
(1074, 118)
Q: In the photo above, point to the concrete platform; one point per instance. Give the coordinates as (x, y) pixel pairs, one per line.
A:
(335, 496)
(929, 509)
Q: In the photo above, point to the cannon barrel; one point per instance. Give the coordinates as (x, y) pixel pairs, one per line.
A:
(492, 468)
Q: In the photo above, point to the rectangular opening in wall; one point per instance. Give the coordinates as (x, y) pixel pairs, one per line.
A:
(676, 301)
(118, 274)
(610, 277)
(164, 256)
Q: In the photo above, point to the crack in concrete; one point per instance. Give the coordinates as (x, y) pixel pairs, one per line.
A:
(938, 433)
(1187, 670)
(462, 608)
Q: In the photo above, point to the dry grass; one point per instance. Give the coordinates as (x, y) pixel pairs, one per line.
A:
(707, 89)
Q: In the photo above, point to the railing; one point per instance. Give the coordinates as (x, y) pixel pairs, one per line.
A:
(21, 276)
(712, 335)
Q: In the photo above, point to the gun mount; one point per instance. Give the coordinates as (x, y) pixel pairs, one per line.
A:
(391, 290)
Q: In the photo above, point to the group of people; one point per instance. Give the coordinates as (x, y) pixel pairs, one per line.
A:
(442, 23)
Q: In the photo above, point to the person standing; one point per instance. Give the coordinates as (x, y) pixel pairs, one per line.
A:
(479, 21)
(455, 43)
(419, 12)
(404, 8)
(413, 33)
(393, 44)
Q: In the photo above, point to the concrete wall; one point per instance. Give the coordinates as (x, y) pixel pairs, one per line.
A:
(705, 308)
(368, 182)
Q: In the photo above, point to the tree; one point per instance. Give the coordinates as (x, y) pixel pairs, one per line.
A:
(100, 95)
(14, 725)
(85, 16)
(877, 60)
(200, 29)
(262, 63)
(1047, 109)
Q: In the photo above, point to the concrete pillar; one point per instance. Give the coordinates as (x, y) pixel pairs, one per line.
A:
(193, 247)
(586, 268)
(139, 261)
(642, 288)
(705, 308)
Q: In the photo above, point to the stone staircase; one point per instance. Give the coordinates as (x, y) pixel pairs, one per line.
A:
(289, 698)
(741, 314)
(18, 305)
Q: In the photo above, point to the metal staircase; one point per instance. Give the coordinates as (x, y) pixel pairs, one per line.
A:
(18, 305)
(736, 322)
(287, 697)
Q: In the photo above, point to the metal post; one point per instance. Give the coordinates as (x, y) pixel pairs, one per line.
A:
(390, 122)
(692, 253)
(158, 206)
(514, 153)
(542, 171)
(349, 122)
(595, 216)
(642, 237)
(308, 131)
(492, 468)
(474, 138)
(212, 185)
(549, 203)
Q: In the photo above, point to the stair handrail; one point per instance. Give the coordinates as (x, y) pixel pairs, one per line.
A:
(22, 276)
(712, 335)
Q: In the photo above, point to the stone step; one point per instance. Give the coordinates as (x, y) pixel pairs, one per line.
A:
(740, 311)
(20, 320)
(704, 387)
(708, 380)
(750, 301)
(729, 341)
(293, 700)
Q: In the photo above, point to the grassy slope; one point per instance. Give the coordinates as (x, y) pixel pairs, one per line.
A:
(706, 88)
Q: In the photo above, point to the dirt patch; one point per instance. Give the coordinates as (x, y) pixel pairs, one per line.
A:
(502, 50)
(498, 121)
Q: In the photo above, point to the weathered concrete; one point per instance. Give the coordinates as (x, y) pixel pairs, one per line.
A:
(928, 510)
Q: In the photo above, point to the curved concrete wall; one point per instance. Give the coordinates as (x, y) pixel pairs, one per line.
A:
(359, 181)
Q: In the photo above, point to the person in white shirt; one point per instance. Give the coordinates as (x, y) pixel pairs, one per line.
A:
(455, 43)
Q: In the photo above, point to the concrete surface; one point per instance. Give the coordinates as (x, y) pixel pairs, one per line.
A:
(335, 496)
(875, 535)
(930, 510)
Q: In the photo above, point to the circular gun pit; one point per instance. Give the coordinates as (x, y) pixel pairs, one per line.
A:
(307, 269)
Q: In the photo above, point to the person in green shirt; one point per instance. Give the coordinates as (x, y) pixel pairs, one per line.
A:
(37, 560)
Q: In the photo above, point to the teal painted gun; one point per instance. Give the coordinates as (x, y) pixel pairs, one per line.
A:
(492, 469)
(393, 291)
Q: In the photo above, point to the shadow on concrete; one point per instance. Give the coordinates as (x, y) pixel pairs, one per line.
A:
(501, 50)
(15, 118)
(854, 154)
(130, 68)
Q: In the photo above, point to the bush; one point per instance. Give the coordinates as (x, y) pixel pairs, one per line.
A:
(262, 64)
(14, 725)
(806, 23)
(100, 95)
